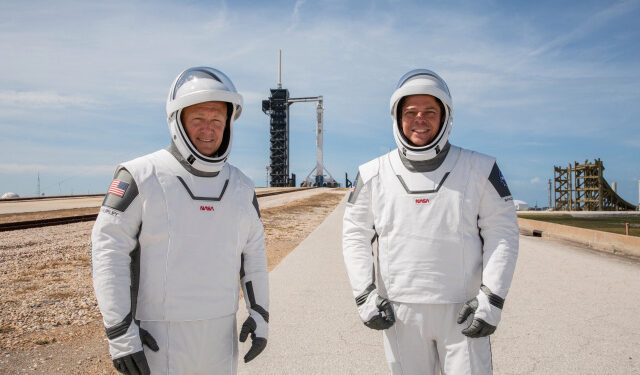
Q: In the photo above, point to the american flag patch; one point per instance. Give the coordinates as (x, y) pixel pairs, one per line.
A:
(118, 188)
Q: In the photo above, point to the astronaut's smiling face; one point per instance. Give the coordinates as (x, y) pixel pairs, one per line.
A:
(204, 124)
(421, 118)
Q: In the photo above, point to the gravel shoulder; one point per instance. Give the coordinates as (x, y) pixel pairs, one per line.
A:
(49, 319)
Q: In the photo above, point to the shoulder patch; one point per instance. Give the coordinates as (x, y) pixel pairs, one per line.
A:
(356, 189)
(499, 183)
(122, 191)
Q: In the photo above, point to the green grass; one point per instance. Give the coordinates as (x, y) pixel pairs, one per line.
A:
(606, 224)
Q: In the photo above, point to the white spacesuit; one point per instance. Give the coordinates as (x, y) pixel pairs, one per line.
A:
(447, 238)
(175, 233)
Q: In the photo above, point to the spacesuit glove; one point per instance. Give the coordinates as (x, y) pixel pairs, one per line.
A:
(136, 363)
(486, 308)
(257, 343)
(148, 340)
(127, 338)
(376, 312)
(132, 364)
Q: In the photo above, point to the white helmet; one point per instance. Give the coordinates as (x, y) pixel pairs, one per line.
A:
(199, 85)
(422, 82)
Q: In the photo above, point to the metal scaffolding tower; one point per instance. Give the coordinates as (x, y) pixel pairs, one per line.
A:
(277, 107)
(562, 188)
(582, 187)
(588, 192)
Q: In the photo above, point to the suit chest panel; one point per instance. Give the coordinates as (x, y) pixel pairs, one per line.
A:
(425, 204)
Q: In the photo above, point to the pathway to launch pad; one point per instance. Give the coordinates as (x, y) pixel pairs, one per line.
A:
(569, 311)
(314, 326)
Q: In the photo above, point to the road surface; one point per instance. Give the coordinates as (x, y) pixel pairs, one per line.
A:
(570, 311)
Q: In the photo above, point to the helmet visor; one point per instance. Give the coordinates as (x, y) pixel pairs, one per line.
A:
(420, 72)
(200, 78)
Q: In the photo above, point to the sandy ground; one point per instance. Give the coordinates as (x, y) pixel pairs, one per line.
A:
(49, 320)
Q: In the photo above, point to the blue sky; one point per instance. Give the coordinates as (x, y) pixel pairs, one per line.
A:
(535, 84)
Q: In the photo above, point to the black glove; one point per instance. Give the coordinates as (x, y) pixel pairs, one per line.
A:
(136, 363)
(478, 327)
(257, 343)
(385, 318)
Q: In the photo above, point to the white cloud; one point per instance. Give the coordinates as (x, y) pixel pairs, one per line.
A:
(69, 169)
(34, 100)
(347, 58)
(534, 180)
(295, 15)
(588, 26)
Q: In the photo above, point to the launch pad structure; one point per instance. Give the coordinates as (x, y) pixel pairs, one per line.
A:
(582, 187)
(277, 107)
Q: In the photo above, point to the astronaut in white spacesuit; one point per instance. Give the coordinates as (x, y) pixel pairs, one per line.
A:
(447, 239)
(176, 231)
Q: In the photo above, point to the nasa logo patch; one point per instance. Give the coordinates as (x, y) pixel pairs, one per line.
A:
(422, 201)
(504, 182)
(498, 181)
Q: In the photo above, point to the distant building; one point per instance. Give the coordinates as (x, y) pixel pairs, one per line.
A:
(9, 195)
(521, 205)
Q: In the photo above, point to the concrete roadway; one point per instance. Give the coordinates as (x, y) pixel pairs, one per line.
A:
(37, 205)
(569, 311)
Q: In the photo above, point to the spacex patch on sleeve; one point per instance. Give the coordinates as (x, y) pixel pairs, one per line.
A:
(122, 191)
(255, 204)
(499, 183)
(356, 189)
